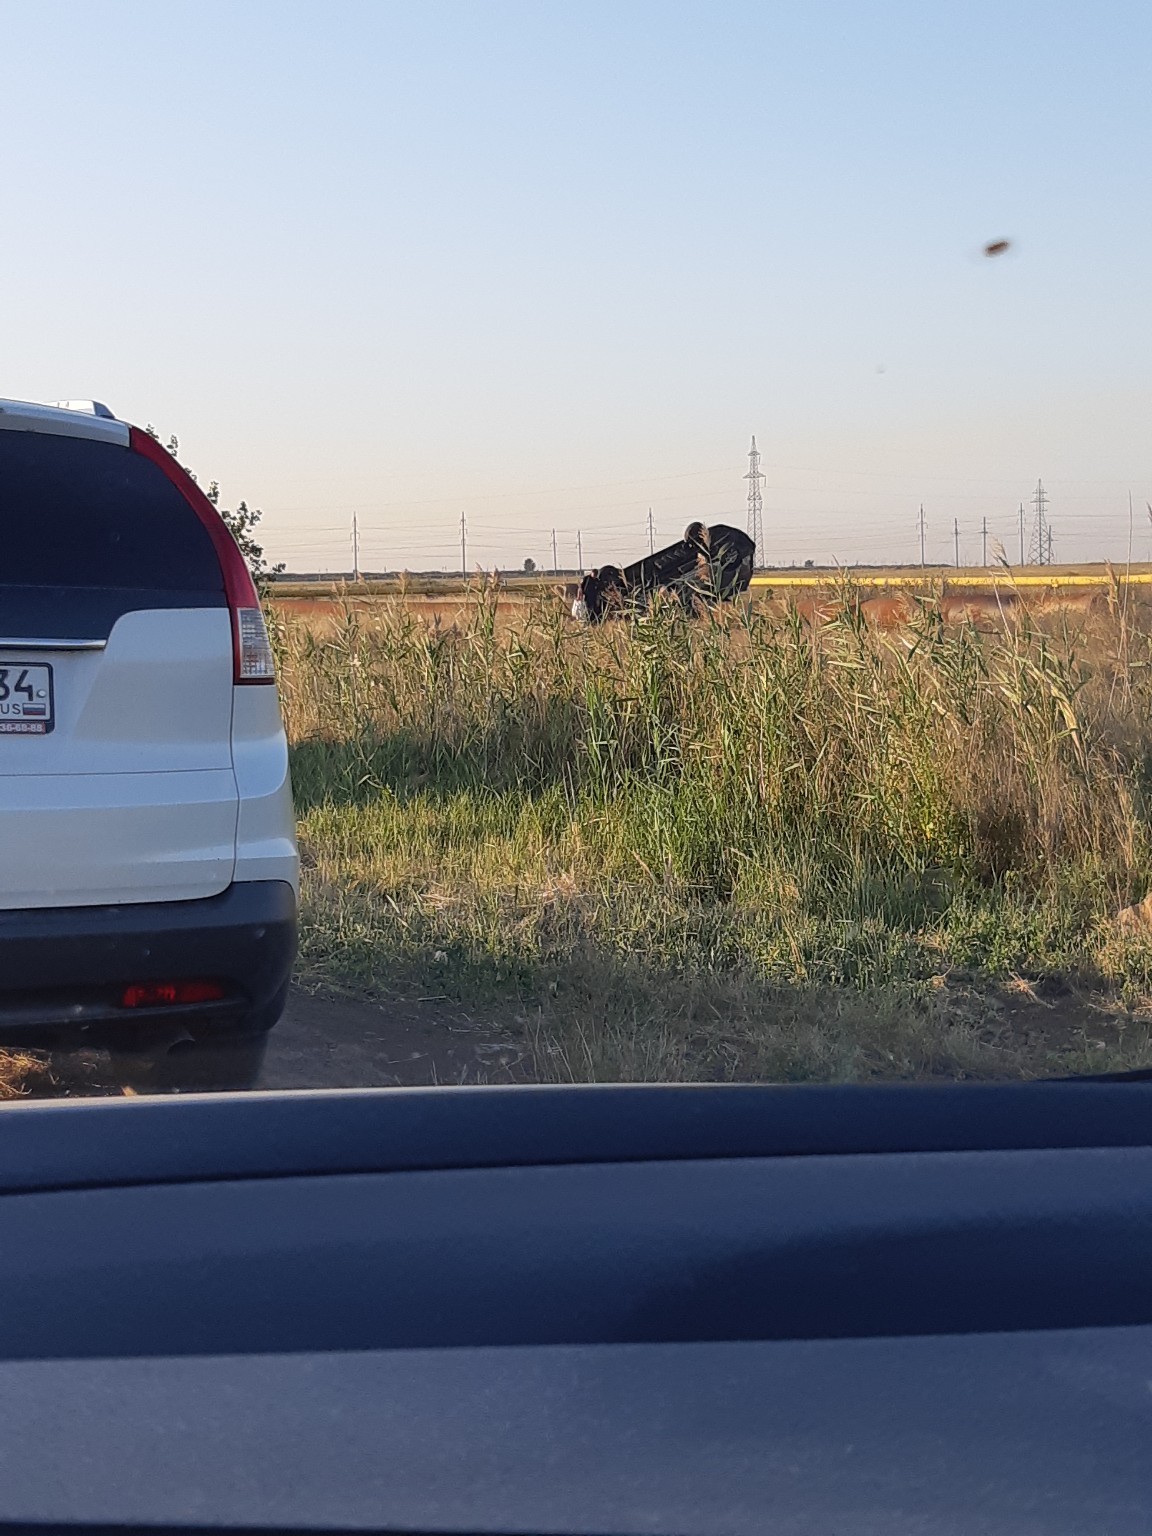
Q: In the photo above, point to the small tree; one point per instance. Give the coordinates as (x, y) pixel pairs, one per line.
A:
(240, 522)
(529, 566)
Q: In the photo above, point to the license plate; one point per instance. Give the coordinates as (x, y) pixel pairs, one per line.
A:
(26, 704)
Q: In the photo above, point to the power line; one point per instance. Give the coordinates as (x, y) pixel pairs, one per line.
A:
(894, 479)
(835, 501)
(1094, 535)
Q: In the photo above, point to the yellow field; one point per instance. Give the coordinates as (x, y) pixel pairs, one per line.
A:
(951, 578)
(940, 578)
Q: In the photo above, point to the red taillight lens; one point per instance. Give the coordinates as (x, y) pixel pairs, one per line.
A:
(166, 994)
(251, 652)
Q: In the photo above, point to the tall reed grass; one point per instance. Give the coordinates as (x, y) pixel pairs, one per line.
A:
(660, 841)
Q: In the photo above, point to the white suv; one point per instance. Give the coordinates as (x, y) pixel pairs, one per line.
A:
(148, 865)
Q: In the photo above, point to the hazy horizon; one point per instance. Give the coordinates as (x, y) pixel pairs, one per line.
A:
(554, 265)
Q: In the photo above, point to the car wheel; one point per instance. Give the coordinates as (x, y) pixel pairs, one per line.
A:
(193, 1066)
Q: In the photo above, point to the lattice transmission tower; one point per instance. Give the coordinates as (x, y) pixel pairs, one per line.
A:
(1040, 549)
(755, 503)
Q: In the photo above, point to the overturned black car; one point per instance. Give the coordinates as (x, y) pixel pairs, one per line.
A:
(707, 566)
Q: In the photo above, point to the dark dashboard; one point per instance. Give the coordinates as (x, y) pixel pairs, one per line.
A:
(581, 1310)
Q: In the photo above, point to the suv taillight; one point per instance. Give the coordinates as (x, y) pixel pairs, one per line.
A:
(251, 652)
(254, 663)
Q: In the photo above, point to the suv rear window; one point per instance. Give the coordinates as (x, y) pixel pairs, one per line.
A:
(78, 513)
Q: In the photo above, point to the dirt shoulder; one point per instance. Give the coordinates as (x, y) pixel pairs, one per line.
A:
(328, 1040)
(333, 1039)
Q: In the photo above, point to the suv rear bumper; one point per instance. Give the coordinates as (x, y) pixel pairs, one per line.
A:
(63, 969)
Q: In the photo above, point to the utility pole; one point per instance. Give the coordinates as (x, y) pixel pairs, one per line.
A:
(984, 544)
(1131, 529)
(579, 552)
(755, 504)
(651, 534)
(463, 546)
(1049, 543)
(956, 536)
(923, 561)
(355, 549)
(1021, 533)
(555, 562)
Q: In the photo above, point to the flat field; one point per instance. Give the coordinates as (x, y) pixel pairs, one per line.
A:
(762, 845)
(886, 597)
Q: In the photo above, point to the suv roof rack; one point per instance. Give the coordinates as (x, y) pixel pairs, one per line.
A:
(89, 407)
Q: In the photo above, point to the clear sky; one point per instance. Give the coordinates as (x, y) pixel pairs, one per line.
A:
(551, 264)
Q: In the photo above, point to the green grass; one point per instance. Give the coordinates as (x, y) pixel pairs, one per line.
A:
(737, 847)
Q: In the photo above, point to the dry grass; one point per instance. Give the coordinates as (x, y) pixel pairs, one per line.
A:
(742, 847)
(23, 1075)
